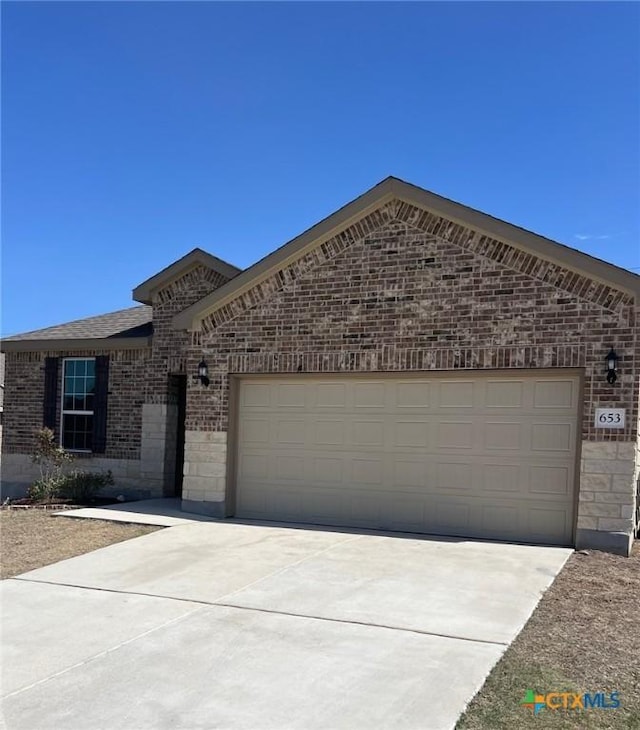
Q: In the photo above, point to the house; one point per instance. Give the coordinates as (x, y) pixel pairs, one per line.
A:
(408, 364)
(2, 359)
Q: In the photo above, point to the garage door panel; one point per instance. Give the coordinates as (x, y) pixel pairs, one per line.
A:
(330, 395)
(503, 478)
(484, 457)
(366, 471)
(326, 504)
(455, 435)
(412, 434)
(555, 393)
(257, 503)
(552, 437)
(503, 435)
(452, 518)
(367, 433)
(548, 525)
(253, 501)
(253, 466)
(456, 476)
(499, 519)
(291, 395)
(254, 430)
(407, 513)
(327, 470)
(287, 502)
(409, 473)
(412, 395)
(329, 432)
(369, 395)
(505, 394)
(290, 467)
(290, 431)
(256, 395)
(551, 480)
(456, 394)
(366, 510)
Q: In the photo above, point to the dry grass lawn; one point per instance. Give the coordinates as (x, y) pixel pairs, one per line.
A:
(33, 538)
(583, 637)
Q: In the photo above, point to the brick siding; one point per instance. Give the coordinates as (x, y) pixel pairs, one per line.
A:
(402, 298)
(25, 394)
(136, 376)
(169, 345)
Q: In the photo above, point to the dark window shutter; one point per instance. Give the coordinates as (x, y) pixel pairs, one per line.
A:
(100, 405)
(50, 392)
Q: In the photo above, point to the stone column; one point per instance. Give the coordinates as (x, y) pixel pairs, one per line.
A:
(153, 446)
(607, 496)
(205, 473)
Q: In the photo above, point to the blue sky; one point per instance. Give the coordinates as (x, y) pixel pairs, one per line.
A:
(133, 132)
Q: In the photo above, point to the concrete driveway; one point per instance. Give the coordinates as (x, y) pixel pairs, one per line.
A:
(230, 625)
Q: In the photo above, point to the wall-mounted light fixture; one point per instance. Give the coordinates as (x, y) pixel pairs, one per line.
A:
(203, 373)
(612, 360)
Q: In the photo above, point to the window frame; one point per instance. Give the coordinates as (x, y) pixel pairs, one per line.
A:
(64, 412)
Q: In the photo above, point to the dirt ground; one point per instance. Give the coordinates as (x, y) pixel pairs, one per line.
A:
(33, 538)
(583, 637)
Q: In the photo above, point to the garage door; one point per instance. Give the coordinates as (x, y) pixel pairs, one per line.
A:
(486, 456)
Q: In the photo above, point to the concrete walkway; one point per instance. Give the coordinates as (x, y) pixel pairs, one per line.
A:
(228, 625)
(165, 512)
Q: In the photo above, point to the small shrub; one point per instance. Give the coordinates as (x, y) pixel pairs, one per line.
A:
(51, 460)
(45, 490)
(53, 484)
(83, 486)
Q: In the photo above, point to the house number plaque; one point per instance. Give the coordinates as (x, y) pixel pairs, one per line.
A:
(609, 418)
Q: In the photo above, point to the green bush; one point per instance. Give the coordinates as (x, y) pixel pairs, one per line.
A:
(82, 486)
(46, 490)
(77, 485)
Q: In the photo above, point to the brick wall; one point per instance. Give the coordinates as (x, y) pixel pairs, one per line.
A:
(24, 414)
(137, 379)
(403, 290)
(169, 344)
(25, 393)
(403, 299)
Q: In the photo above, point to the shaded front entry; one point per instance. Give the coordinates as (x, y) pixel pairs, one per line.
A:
(174, 452)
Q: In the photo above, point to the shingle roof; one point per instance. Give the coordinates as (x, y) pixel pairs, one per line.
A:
(131, 322)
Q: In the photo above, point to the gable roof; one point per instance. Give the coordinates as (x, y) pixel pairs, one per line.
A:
(390, 189)
(144, 292)
(130, 328)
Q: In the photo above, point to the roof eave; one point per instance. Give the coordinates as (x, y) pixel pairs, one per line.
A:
(309, 239)
(394, 188)
(70, 345)
(144, 292)
(519, 237)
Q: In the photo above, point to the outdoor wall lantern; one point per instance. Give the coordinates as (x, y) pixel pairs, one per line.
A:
(611, 359)
(203, 373)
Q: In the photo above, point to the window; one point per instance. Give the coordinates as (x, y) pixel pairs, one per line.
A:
(78, 391)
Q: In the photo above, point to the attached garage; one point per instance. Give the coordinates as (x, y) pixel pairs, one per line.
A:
(412, 364)
(490, 455)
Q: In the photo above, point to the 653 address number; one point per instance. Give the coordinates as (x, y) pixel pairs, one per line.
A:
(609, 418)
